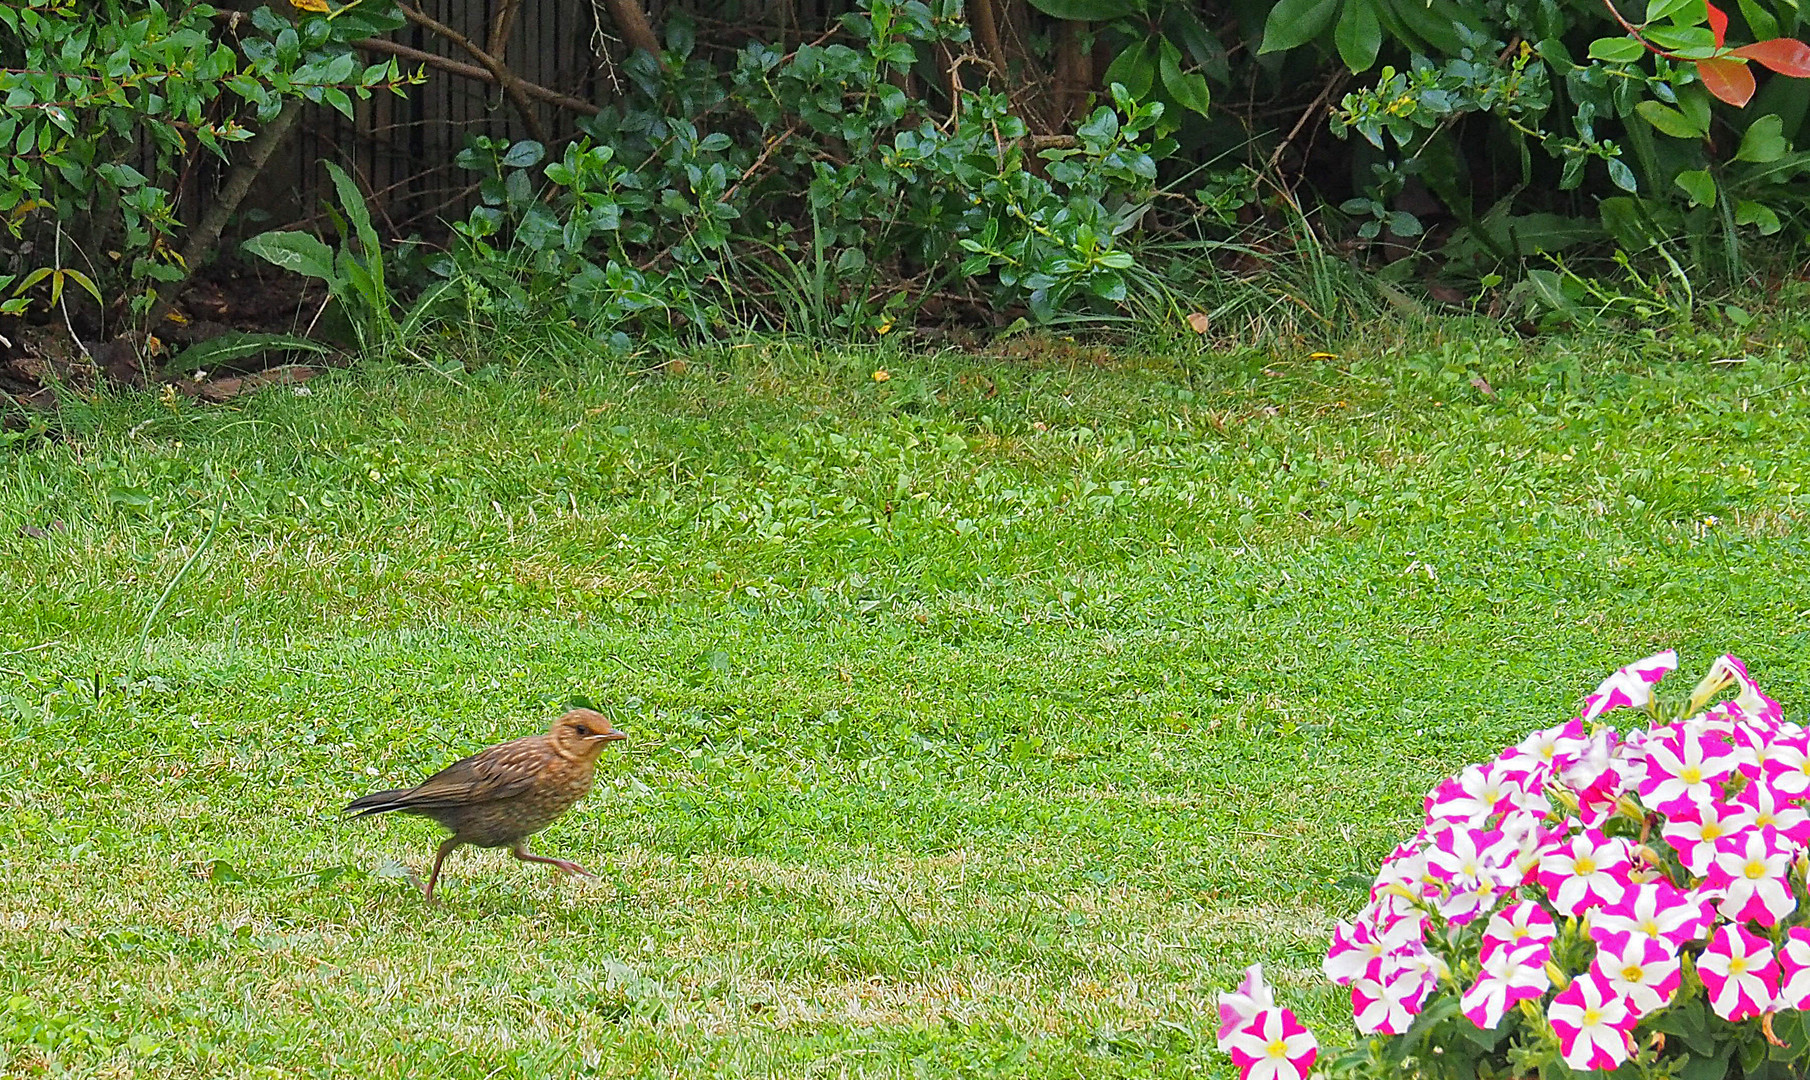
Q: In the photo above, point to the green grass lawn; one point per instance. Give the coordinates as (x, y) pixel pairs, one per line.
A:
(985, 719)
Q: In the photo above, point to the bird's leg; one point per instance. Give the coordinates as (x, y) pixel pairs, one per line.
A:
(446, 848)
(520, 851)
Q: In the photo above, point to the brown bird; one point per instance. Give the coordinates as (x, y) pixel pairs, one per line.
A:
(501, 796)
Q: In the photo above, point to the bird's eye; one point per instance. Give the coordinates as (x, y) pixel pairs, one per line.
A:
(582, 730)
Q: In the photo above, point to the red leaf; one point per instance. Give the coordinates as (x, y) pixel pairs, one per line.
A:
(1787, 56)
(1718, 21)
(1727, 79)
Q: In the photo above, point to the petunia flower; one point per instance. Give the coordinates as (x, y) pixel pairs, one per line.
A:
(1750, 872)
(1592, 1023)
(1695, 829)
(1358, 948)
(1590, 871)
(1656, 909)
(1739, 973)
(1518, 926)
(1273, 1046)
(1794, 967)
(1473, 796)
(1729, 670)
(1640, 969)
(1509, 975)
(1685, 767)
(1771, 808)
(1630, 686)
(1474, 869)
(1387, 1007)
(1239, 1008)
(1787, 761)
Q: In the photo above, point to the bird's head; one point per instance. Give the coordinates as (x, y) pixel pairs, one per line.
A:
(583, 733)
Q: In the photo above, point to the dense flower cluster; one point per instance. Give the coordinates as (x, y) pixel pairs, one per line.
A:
(1583, 883)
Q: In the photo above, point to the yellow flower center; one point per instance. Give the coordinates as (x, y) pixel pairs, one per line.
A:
(1277, 1048)
(1650, 927)
(1711, 830)
(1755, 871)
(1585, 865)
(1631, 973)
(1592, 1018)
(1692, 774)
(1737, 965)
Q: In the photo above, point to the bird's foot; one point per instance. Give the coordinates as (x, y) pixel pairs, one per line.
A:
(571, 867)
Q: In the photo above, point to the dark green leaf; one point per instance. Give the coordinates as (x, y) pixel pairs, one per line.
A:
(1088, 10)
(1189, 89)
(1134, 69)
(1617, 50)
(1293, 23)
(1358, 35)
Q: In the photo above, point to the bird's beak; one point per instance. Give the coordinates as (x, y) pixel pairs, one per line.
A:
(613, 735)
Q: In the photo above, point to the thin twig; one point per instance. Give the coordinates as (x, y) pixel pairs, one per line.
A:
(472, 71)
(507, 79)
(759, 161)
(1332, 87)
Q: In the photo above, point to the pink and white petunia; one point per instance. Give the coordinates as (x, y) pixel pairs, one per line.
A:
(1518, 926)
(1695, 830)
(1640, 969)
(1474, 870)
(1656, 909)
(1630, 686)
(1685, 768)
(1592, 1023)
(1794, 969)
(1273, 1046)
(1787, 761)
(1729, 670)
(1588, 872)
(1476, 794)
(1750, 872)
(1739, 973)
(1509, 976)
(1387, 1007)
(1771, 809)
(1239, 1008)
(1358, 948)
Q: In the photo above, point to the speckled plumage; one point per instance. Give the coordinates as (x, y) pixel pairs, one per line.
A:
(501, 796)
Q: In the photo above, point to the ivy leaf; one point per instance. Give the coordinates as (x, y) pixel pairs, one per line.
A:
(1787, 56)
(1293, 23)
(1699, 185)
(1088, 10)
(1358, 35)
(1763, 141)
(1189, 89)
(1728, 79)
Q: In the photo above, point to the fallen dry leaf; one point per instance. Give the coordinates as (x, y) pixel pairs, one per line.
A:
(1483, 386)
(1197, 321)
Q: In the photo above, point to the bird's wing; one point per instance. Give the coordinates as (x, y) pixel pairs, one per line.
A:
(500, 772)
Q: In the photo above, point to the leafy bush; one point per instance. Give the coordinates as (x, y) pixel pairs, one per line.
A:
(838, 206)
(1588, 900)
(87, 84)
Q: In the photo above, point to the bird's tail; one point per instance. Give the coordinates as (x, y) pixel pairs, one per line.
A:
(378, 802)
